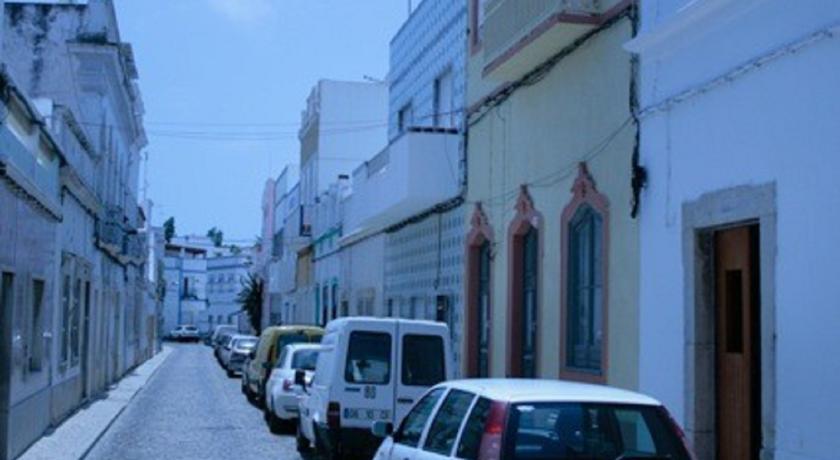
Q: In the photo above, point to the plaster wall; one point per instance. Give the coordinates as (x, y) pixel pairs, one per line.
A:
(579, 111)
(771, 125)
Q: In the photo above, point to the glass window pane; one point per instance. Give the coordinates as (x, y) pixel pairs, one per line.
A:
(368, 358)
(575, 430)
(447, 422)
(585, 297)
(473, 430)
(423, 360)
(412, 425)
(305, 359)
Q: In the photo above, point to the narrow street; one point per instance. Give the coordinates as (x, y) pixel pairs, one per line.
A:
(191, 409)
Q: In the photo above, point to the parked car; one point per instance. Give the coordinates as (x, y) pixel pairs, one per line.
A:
(281, 402)
(224, 341)
(218, 330)
(234, 352)
(185, 333)
(494, 419)
(263, 359)
(369, 369)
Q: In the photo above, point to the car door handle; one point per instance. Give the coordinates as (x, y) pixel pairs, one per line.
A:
(405, 400)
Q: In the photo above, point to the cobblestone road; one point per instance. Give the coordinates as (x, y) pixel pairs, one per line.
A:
(191, 410)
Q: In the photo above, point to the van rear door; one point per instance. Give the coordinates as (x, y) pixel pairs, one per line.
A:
(423, 361)
(365, 385)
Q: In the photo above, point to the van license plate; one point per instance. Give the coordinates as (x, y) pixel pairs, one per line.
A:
(366, 414)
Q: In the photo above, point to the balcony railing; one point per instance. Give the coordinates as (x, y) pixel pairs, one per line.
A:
(511, 25)
(109, 235)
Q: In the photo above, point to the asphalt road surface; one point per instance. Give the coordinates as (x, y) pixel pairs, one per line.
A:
(191, 410)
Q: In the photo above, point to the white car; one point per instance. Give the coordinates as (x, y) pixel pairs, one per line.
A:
(282, 393)
(369, 369)
(494, 419)
(185, 333)
(233, 354)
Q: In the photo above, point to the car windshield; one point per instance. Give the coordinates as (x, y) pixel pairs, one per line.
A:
(246, 343)
(305, 359)
(288, 339)
(591, 431)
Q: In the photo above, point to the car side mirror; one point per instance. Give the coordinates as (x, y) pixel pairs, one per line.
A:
(300, 378)
(382, 429)
(252, 354)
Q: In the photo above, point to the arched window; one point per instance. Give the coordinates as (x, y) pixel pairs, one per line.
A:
(483, 317)
(584, 272)
(478, 291)
(584, 329)
(523, 293)
(528, 366)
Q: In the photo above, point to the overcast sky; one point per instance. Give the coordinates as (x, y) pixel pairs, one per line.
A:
(224, 82)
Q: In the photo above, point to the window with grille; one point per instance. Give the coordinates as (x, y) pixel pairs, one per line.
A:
(584, 324)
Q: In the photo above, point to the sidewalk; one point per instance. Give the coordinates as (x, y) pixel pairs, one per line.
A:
(74, 438)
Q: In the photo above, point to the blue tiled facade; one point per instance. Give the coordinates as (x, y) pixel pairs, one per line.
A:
(424, 261)
(432, 41)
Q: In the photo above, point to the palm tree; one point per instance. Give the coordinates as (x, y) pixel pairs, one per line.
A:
(251, 298)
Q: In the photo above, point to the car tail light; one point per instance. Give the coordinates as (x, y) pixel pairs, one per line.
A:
(287, 385)
(491, 442)
(677, 429)
(334, 415)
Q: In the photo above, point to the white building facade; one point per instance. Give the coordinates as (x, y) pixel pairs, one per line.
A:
(70, 61)
(738, 302)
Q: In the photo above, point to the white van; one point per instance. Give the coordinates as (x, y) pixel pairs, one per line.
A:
(368, 370)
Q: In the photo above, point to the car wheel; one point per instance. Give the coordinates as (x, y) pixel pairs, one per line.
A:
(303, 446)
(275, 423)
(230, 374)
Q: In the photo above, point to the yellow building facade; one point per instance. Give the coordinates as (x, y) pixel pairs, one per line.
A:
(552, 248)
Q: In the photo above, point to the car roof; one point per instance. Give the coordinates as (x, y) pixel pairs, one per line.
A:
(544, 390)
(243, 336)
(303, 346)
(292, 328)
(342, 323)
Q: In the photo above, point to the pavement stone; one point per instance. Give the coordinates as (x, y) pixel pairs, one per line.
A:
(79, 433)
(190, 409)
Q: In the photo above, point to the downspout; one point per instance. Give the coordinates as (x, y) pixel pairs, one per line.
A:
(638, 173)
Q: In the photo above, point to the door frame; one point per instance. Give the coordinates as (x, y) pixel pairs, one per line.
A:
(701, 218)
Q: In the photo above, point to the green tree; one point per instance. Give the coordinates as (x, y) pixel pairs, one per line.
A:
(216, 236)
(169, 229)
(251, 299)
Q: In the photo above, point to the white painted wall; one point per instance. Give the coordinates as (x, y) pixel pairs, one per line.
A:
(774, 124)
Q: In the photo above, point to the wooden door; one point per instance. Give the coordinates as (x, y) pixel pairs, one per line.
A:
(737, 350)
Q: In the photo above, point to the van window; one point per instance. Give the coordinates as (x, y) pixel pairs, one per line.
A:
(423, 361)
(412, 425)
(447, 422)
(368, 358)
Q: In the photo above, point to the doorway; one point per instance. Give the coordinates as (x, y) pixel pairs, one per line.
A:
(737, 339)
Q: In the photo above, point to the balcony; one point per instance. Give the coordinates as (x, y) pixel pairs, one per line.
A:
(38, 169)
(517, 35)
(417, 171)
(134, 250)
(109, 236)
